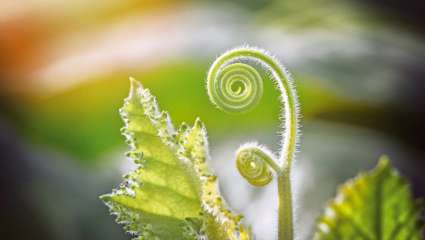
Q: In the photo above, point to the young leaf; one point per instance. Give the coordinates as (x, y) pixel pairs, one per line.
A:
(172, 194)
(374, 205)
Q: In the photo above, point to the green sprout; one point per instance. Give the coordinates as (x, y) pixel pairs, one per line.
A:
(234, 86)
(173, 195)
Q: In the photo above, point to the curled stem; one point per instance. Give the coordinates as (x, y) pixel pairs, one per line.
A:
(234, 86)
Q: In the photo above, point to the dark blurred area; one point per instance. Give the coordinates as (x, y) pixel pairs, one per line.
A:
(405, 14)
(64, 65)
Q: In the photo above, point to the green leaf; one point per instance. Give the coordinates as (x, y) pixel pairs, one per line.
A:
(172, 194)
(374, 205)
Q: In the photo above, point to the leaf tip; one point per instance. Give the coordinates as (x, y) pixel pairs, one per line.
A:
(132, 80)
(198, 123)
(105, 198)
(134, 86)
(383, 162)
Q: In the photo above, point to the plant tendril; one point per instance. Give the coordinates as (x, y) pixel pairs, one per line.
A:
(235, 87)
(254, 163)
(238, 87)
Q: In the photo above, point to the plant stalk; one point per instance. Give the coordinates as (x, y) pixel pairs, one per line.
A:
(285, 223)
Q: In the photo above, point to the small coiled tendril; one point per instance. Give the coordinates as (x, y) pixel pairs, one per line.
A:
(234, 87)
(253, 163)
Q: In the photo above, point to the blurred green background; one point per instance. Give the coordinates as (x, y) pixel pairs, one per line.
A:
(64, 68)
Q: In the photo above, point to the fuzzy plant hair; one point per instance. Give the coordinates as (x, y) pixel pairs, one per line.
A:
(234, 85)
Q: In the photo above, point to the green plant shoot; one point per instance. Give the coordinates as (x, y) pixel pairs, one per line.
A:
(172, 195)
(235, 86)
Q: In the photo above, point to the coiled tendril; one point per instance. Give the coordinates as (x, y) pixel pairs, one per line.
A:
(253, 164)
(234, 87)
(238, 87)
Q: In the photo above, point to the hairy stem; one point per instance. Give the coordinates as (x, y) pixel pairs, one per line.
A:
(230, 68)
(285, 222)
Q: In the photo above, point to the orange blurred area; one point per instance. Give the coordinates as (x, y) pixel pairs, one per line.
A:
(30, 34)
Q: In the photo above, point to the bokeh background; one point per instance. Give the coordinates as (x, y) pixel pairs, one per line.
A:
(359, 67)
